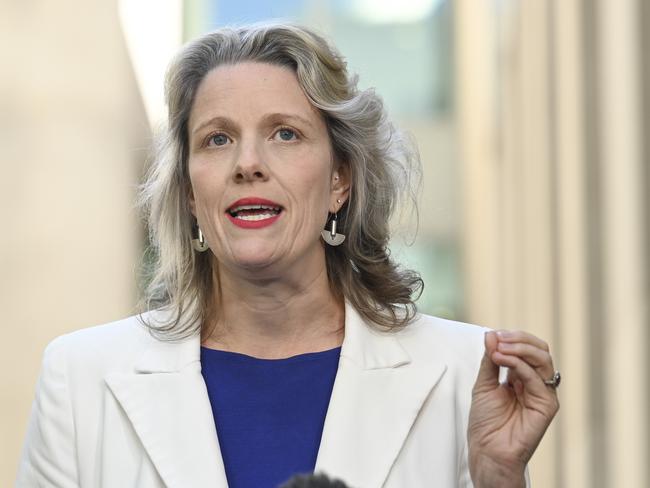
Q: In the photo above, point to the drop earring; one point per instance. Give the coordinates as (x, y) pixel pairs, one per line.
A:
(331, 237)
(198, 242)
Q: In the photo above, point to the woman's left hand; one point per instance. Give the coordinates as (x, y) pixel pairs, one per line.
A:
(507, 420)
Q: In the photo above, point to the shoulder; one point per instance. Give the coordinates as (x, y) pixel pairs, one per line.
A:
(459, 345)
(427, 331)
(112, 346)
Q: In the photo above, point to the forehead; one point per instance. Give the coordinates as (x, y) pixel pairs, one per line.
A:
(249, 90)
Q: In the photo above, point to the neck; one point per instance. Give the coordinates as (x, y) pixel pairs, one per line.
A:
(276, 317)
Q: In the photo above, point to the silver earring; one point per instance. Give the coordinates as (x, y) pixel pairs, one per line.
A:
(331, 237)
(198, 243)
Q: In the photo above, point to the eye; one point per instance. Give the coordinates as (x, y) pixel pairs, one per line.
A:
(286, 134)
(218, 140)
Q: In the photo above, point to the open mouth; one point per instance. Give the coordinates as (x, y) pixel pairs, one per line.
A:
(254, 212)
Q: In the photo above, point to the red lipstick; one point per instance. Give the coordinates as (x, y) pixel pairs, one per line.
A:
(253, 212)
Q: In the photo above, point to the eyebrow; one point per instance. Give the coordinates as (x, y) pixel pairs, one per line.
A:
(272, 117)
(280, 116)
(222, 121)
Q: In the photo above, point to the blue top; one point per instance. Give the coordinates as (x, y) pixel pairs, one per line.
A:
(269, 413)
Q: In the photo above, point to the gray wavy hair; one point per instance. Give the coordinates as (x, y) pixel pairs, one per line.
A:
(382, 164)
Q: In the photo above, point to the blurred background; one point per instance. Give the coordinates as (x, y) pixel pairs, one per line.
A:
(533, 122)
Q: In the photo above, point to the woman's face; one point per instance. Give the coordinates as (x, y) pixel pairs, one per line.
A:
(261, 168)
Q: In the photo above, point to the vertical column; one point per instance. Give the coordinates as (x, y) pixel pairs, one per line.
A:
(598, 443)
(476, 78)
(571, 349)
(644, 26)
(625, 309)
(71, 134)
(511, 153)
(537, 198)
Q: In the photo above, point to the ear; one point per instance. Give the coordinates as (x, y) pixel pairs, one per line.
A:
(340, 187)
(191, 200)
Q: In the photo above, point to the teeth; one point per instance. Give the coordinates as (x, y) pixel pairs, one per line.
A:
(254, 207)
(255, 217)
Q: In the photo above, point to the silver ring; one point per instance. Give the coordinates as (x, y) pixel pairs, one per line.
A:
(554, 382)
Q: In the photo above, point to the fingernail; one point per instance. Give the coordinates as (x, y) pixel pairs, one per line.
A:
(504, 346)
(504, 334)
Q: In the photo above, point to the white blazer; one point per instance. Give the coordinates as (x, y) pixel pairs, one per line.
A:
(115, 407)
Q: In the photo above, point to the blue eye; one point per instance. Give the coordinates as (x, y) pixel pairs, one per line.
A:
(218, 139)
(287, 134)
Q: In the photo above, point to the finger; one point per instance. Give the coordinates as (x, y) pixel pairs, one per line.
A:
(488, 373)
(521, 336)
(512, 378)
(538, 358)
(520, 370)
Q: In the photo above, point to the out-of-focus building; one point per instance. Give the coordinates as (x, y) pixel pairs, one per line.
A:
(533, 123)
(554, 129)
(73, 140)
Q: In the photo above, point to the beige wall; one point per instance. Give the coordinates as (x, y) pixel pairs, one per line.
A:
(555, 185)
(72, 140)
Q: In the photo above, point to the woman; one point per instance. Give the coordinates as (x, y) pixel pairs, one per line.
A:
(284, 339)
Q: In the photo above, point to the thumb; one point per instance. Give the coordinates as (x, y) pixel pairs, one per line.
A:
(488, 373)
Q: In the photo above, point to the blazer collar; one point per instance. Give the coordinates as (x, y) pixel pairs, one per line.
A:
(166, 401)
(363, 345)
(369, 348)
(377, 394)
(169, 357)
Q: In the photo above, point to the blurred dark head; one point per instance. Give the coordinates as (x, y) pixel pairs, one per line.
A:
(313, 481)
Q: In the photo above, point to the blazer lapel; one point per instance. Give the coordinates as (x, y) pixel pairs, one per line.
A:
(166, 400)
(377, 395)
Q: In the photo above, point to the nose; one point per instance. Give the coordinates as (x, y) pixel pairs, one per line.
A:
(250, 165)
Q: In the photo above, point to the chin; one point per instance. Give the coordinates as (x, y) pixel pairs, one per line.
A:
(252, 260)
(254, 264)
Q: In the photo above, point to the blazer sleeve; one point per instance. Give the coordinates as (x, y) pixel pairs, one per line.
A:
(49, 457)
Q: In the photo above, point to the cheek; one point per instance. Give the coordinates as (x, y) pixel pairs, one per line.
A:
(317, 208)
(203, 193)
(314, 192)
(313, 181)
(202, 177)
